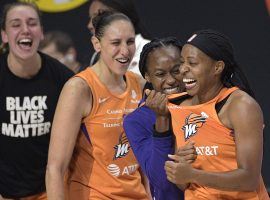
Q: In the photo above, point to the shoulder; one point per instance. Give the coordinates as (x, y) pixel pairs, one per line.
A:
(242, 107)
(241, 100)
(77, 85)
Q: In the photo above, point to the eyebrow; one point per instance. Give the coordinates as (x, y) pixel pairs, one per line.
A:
(18, 19)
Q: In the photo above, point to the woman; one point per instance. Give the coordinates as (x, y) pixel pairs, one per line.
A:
(30, 84)
(102, 164)
(224, 121)
(128, 8)
(159, 65)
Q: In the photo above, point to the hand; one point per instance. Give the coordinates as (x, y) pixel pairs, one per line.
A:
(157, 102)
(178, 172)
(187, 153)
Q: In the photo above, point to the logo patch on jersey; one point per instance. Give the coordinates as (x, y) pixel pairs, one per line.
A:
(113, 169)
(192, 123)
(122, 148)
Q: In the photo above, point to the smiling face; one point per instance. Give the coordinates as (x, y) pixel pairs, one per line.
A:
(23, 31)
(163, 69)
(200, 72)
(117, 46)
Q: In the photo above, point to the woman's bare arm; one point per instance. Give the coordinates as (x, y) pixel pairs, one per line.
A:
(74, 104)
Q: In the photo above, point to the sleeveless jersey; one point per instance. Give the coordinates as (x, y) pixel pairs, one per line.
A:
(215, 146)
(103, 159)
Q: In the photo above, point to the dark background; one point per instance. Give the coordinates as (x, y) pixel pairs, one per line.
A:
(246, 22)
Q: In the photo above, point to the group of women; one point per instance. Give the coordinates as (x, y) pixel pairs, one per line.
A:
(189, 134)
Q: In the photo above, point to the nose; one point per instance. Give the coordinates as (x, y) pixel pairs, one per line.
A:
(170, 79)
(124, 50)
(184, 68)
(25, 28)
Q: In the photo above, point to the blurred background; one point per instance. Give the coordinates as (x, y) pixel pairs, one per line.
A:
(246, 22)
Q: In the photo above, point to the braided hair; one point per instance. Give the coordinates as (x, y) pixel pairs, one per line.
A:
(218, 47)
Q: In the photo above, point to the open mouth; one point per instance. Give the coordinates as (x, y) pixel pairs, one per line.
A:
(123, 60)
(171, 90)
(25, 43)
(189, 83)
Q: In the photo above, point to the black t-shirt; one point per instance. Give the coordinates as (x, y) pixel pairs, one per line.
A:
(27, 108)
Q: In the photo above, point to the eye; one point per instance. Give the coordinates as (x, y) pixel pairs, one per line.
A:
(33, 24)
(130, 42)
(116, 43)
(176, 71)
(159, 74)
(192, 63)
(15, 25)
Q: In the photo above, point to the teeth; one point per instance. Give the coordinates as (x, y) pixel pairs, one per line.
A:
(171, 90)
(123, 60)
(188, 80)
(25, 40)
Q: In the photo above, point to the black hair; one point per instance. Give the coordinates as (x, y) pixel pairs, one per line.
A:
(219, 47)
(62, 41)
(3, 18)
(105, 18)
(154, 44)
(128, 8)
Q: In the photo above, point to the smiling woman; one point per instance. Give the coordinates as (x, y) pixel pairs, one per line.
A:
(87, 127)
(30, 84)
(159, 64)
(215, 113)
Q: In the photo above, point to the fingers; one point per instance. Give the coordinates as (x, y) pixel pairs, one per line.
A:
(176, 158)
(147, 92)
(157, 102)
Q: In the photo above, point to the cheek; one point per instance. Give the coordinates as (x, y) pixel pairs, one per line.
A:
(132, 49)
(157, 83)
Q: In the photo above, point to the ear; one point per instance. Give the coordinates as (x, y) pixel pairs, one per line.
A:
(96, 43)
(219, 67)
(146, 76)
(4, 36)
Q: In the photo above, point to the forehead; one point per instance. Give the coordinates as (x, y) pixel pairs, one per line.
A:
(96, 6)
(119, 28)
(163, 54)
(192, 51)
(21, 12)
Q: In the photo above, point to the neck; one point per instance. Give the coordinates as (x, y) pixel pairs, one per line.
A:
(106, 75)
(114, 82)
(24, 68)
(207, 95)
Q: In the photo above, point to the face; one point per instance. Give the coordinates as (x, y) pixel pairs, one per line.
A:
(117, 46)
(197, 70)
(94, 9)
(23, 31)
(163, 70)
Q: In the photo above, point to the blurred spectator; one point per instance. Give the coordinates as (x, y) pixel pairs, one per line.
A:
(60, 46)
(128, 8)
